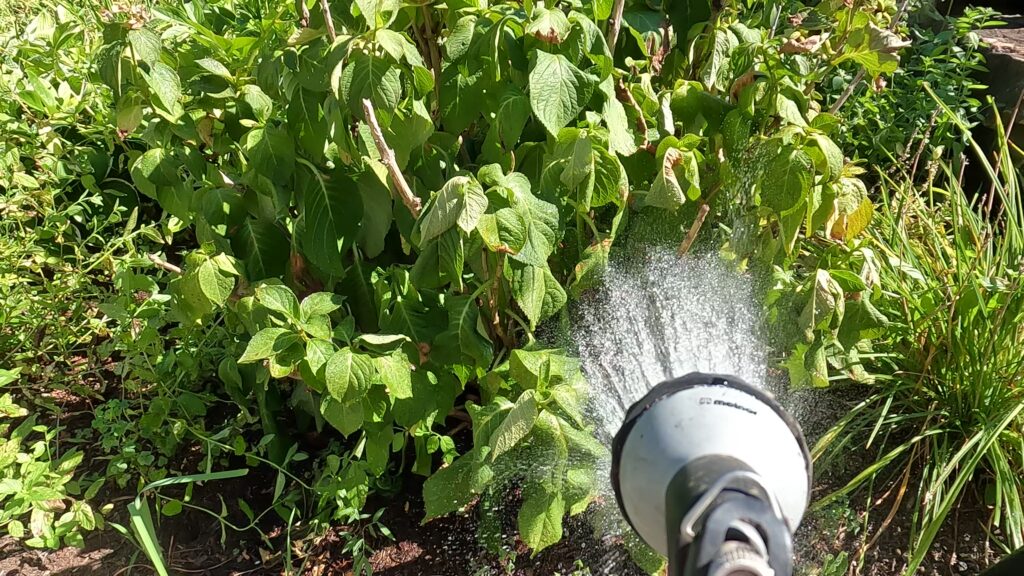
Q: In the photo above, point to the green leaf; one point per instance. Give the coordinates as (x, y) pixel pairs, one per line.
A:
(460, 201)
(549, 26)
(832, 161)
(318, 352)
(558, 90)
(374, 11)
(410, 131)
(346, 418)
(787, 180)
(463, 337)
(717, 61)
(398, 46)
(459, 38)
(451, 257)
(271, 152)
(589, 272)
(685, 14)
(537, 368)
(610, 183)
(460, 97)
(511, 117)
(376, 79)
(264, 344)
(825, 302)
(504, 230)
(308, 124)
(542, 228)
(789, 110)
(540, 518)
(214, 283)
(677, 181)
(381, 343)
(620, 135)
(214, 67)
(320, 303)
(848, 281)
(165, 88)
(331, 211)
(515, 426)
(377, 209)
(156, 167)
(395, 373)
(280, 299)
(145, 45)
(487, 419)
(348, 374)
(453, 487)
(263, 246)
(537, 291)
(258, 102)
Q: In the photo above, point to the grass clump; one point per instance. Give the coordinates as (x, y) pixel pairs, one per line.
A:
(951, 269)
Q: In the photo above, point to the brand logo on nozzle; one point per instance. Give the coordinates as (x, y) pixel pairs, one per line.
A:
(710, 401)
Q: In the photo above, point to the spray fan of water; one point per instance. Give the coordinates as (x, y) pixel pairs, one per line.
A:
(659, 316)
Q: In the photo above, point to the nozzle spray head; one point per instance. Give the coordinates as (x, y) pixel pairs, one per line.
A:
(714, 474)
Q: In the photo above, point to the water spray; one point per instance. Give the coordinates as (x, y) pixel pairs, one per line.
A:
(714, 474)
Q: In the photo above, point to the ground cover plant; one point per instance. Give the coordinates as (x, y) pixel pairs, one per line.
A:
(315, 241)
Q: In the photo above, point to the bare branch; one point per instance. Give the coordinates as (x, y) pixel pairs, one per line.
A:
(387, 156)
(163, 264)
(300, 7)
(328, 19)
(616, 24)
(702, 213)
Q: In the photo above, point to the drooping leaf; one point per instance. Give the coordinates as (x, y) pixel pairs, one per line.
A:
(463, 338)
(685, 14)
(825, 305)
(377, 13)
(156, 167)
(377, 209)
(263, 247)
(144, 45)
(331, 211)
(257, 102)
(320, 303)
(165, 87)
(460, 201)
(677, 181)
(549, 25)
(487, 419)
(460, 94)
(503, 230)
(456, 485)
(620, 135)
(511, 116)
(271, 152)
